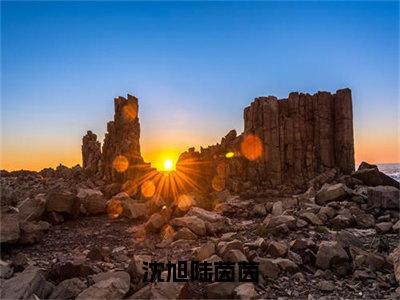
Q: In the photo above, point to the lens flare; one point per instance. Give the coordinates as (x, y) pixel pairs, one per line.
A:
(148, 188)
(114, 208)
(184, 202)
(120, 163)
(251, 147)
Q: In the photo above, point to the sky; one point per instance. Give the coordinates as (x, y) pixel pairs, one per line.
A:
(194, 67)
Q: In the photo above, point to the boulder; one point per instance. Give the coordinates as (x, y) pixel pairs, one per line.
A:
(312, 218)
(111, 286)
(275, 221)
(155, 222)
(384, 197)
(234, 255)
(184, 233)
(68, 289)
(63, 201)
(32, 232)
(395, 257)
(70, 269)
(26, 284)
(9, 229)
(224, 247)
(277, 249)
(135, 267)
(220, 290)
(268, 267)
(277, 208)
(245, 291)
(330, 253)
(287, 265)
(93, 201)
(163, 290)
(32, 209)
(194, 223)
(259, 210)
(204, 251)
(371, 176)
(133, 210)
(341, 221)
(330, 193)
(364, 220)
(383, 227)
(219, 222)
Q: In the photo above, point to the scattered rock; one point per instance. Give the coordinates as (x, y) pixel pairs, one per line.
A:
(9, 229)
(32, 232)
(384, 197)
(32, 209)
(245, 291)
(63, 201)
(111, 286)
(383, 227)
(93, 201)
(329, 193)
(26, 284)
(277, 249)
(268, 267)
(204, 251)
(184, 233)
(312, 218)
(329, 254)
(326, 286)
(194, 223)
(68, 289)
(155, 222)
(220, 290)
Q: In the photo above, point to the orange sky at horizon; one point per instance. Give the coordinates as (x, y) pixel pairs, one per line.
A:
(378, 150)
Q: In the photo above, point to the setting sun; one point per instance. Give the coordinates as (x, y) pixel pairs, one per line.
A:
(168, 164)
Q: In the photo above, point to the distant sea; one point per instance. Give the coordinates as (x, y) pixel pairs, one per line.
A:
(392, 170)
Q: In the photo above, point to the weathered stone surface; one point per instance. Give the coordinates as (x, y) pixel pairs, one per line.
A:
(287, 265)
(68, 289)
(220, 290)
(112, 286)
(268, 267)
(277, 249)
(245, 291)
(204, 251)
(163, 290)
(273, 222)
(194, 223)
(121, 159)
(234, 255)
(9, 229)
(384, 197)
(93, 201)
(133, 210)
(371, 176)
(25, 284)
(184, 233)
(32, 209)
(155, 222)
(288, 141)
(330, 253)
(63, 202)
(135, 267)
(32, 232)
(330, 193)
(395, 257)
(91, 153)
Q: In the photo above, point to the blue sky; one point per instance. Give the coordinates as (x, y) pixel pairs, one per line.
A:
(194, 67)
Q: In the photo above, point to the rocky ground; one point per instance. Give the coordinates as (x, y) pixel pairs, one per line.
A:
(66, 236)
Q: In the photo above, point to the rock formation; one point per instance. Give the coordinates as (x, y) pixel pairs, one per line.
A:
(121, 149)
(91, 153)
(287, 141)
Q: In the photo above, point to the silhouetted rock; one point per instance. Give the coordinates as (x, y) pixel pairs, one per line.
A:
(91, 153)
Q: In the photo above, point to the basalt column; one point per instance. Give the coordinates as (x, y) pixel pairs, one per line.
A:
(302, 135)
(121, 158)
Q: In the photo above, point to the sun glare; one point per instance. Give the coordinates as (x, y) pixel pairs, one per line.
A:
(168, 164)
